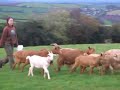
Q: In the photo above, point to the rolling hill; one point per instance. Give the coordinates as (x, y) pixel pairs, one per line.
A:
(24, 10)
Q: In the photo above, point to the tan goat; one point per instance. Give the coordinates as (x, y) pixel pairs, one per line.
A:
(20, 56)
(86, 61)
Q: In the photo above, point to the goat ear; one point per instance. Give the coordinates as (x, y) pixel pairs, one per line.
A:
(101, 54)
(56, 48)
(89, 47)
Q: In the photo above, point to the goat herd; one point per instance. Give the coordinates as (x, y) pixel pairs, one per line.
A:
(109, 60)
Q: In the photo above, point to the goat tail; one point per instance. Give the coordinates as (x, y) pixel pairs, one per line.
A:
(28, 57)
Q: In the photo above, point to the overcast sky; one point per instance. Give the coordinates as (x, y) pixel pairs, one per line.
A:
(69, 1)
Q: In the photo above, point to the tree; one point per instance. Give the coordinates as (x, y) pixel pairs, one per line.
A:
(32, 33)
(82, 27)
(116, 33)
(56, 22)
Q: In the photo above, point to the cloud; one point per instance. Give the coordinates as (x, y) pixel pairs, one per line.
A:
(60, 1)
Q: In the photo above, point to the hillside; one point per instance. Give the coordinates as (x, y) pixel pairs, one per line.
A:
(115, 12)
(24, 11)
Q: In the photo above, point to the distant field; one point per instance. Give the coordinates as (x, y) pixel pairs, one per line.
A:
(115, 12)
(21, 12)
(49, 5)
(25, 10)
(107, 22)
(63, 80)
(2, 21)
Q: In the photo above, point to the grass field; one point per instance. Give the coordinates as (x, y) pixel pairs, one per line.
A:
(63, 80)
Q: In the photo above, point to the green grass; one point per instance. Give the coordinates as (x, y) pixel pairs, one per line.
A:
(19, 13)
(63, 80)
(2, 21)
(49, 5)
(107, 22)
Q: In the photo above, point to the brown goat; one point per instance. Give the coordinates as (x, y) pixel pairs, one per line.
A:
(67, 55)
(20, 56)
(108, 61)
(85, 61)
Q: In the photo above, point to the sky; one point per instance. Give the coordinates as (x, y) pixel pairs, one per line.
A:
(61, 1)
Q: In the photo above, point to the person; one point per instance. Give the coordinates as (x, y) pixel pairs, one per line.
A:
(9, 39)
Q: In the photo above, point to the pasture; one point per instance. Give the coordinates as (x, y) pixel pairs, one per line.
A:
(63, 80)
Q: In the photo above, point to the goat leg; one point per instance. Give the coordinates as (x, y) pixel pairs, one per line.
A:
(24, 66)
(14, 65)
(29, 72)
(91, 70)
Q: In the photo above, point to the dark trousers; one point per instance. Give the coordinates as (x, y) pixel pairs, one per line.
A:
(9, 51)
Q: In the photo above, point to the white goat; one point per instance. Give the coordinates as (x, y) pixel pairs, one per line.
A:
(40, 62)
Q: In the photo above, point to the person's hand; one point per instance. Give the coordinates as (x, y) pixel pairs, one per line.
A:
(0, 44)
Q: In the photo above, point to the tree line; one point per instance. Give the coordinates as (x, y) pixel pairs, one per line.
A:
(64, 27)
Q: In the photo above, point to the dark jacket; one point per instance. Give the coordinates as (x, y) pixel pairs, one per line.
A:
(9, 36)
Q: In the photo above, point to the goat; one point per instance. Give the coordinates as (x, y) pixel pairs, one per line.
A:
(113, 52)
(20, 56)
(67, 55)
(85, 61)
(108, 61)
(40, 62)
